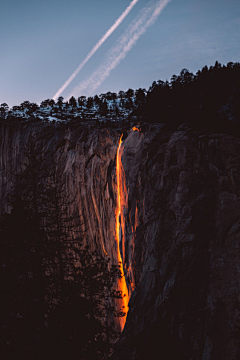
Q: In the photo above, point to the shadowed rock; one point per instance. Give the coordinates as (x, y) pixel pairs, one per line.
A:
(181, 251)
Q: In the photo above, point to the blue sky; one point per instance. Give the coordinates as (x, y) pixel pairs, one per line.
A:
(43, 42)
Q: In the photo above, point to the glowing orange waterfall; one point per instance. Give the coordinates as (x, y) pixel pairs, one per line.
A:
(135, 129)
(120, 230)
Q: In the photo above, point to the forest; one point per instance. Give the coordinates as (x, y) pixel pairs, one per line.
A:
(209, 99)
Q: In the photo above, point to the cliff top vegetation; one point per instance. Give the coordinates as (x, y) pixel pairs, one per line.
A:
(208, 99)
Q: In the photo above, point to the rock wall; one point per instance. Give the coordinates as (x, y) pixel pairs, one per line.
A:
(185, 254)
(180, 229)
(86, 160)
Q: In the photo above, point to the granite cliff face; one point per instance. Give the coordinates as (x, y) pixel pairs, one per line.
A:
(185, 252)
(179, 230)
(86, 160)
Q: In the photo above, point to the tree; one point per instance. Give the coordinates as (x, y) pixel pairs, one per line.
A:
(121, 94)
(114, 96)
(103, 97)
(66, 104)
(217, 65)
(81, 101)
(140, 96)
(73, 102)
(129, 94)
(129, 99)
(45, 103)
(89, 103)
(121, 97)
(51, 103)
(60, 102)
(96, 100)
(129, 104)
(32, 107)
(104, 108)
(25, 105)
(185, 77)
(3, 109)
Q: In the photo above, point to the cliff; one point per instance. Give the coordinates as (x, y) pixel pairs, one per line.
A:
(186, 248)
(179, 228)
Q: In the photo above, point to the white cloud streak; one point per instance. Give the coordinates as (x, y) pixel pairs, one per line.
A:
(96, 47)
(148, 15)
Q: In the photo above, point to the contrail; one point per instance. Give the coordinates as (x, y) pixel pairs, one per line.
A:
(96, 47)
(138, 27)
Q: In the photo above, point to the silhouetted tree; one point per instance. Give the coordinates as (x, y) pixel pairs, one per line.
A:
(32, 108)
(73, 102)
(205, 100)
(96, 100)
(89, 102)
(60, 102)
(51, 103)
(81, 101)
(3, 109)
(103, 108)
(121, 96)
(45, 103)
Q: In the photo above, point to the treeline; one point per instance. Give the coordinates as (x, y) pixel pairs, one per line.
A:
(109, 104)
(208, 99)
(56, 293)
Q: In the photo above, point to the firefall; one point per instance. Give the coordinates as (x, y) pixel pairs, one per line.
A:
(120, 231)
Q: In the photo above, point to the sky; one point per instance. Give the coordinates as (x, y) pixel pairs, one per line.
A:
(43, 42)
